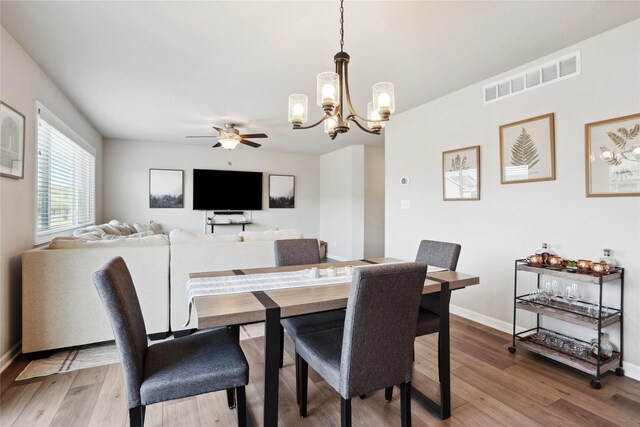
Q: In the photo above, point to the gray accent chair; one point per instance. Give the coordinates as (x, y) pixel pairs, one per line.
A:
(437, 254)
(200, 363)
(374, 349)
(300, 252)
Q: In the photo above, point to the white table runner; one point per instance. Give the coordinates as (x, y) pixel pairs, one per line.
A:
(203, 286)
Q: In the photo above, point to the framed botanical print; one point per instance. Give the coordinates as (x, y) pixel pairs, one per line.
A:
(461, 174)
(12, 125)
(527, 150)
(166, 188)
(613, 157)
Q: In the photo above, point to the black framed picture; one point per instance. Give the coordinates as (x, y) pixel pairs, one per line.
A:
(282, 191)
(166, 188)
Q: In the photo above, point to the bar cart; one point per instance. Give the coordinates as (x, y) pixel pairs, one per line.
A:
(560, 347)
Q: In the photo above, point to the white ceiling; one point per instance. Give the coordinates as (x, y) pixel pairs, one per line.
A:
(157, 71)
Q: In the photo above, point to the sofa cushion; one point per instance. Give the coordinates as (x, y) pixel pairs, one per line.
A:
(177, 236)
(270, 235)
(154, 227)
(112, 242)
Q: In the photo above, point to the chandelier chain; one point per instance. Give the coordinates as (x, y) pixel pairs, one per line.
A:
(341, 25)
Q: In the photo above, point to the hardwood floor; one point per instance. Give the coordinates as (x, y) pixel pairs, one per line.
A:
(491, 387)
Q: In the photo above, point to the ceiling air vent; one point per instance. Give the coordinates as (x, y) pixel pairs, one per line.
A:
(561, 68)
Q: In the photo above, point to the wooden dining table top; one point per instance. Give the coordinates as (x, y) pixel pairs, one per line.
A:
(241, 308)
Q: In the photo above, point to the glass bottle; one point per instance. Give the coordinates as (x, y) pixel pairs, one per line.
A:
(606, 349)
(545, 252)
(612, 263)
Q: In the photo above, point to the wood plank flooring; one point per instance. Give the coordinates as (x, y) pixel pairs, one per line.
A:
(490, 386)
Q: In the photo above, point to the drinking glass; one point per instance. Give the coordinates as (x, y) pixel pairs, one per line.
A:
(558, 291)
(571, 294)
(548, 290)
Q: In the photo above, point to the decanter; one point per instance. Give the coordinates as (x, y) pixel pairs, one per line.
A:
(545, 252)
(606, 349)
(612, 263)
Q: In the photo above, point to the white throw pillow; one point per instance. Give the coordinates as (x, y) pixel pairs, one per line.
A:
(113, 242)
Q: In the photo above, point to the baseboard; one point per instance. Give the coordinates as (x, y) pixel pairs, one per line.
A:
(10, 356)
(336, 257)
(630, 370)
(485, 320)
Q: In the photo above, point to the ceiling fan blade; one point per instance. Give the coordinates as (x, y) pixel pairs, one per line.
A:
(250, 143)
(254, 135)
(217, 145)
(201, 136)
(220, 130)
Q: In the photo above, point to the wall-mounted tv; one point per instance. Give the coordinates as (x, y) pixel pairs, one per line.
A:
(227, 190)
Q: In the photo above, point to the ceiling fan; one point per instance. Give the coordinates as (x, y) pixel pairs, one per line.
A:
(230, 137)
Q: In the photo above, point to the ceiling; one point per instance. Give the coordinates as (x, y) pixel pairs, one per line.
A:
(158, 71)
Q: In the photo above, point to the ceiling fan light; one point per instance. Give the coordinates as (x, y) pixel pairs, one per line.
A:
(298, 107)
(328, 89)
(228, 143)
(384, 99)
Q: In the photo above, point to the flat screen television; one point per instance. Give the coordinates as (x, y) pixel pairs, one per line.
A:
(227, 190)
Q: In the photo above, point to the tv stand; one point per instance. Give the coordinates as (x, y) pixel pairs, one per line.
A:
(212, 224)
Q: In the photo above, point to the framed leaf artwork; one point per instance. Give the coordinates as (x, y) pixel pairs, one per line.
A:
(461, 174)
(527, 150)
(613, 157)
(12, 123)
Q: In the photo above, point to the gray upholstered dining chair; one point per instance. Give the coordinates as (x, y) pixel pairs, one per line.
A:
(300, 252)
(436, 254)
(374, 349)
(200, 363)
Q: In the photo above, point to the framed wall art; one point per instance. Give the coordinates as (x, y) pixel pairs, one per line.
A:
(166, 188)
(527, 150)
(613, 157)
(12, 124)
(282, 191)
(461, 174)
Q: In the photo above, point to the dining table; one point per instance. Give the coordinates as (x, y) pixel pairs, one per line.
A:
(272, 305)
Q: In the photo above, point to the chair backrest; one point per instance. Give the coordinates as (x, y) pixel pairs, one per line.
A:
(296, 251)
(380, 327)
(119, 298)
(439, 254)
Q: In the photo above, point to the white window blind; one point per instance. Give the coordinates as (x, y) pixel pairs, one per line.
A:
(65, 178)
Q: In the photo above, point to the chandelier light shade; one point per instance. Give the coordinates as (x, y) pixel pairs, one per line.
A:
(332, 95)
(298, 108)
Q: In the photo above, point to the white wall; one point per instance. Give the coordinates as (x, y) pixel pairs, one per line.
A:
(126, 184)
(352, 202)
(511, 221)
(22, 83)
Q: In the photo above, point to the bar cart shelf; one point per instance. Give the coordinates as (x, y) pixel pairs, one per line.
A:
(562, 348)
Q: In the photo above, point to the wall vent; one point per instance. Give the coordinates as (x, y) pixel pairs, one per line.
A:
(550, 72)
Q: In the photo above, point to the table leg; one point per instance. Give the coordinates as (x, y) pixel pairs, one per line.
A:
(443, 410)
(271, 358)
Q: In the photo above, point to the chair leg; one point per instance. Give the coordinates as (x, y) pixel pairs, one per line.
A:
(281, 346)
(231, 398)
(136, 416)
(388, 394)
(297, 379)
(241, 407)
(304, 378)
(405, 403)
(345, 412)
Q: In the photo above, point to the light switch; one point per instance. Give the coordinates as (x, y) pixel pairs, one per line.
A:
(405, 204)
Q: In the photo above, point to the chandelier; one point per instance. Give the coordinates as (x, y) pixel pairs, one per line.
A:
(332, 89)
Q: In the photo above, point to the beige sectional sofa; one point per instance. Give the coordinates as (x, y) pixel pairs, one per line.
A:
(61, 307)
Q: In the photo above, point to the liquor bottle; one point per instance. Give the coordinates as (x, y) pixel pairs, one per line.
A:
(545, 252)
(612, 263)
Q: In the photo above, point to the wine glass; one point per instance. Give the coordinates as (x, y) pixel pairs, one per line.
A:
(557, 289)
(571, 294)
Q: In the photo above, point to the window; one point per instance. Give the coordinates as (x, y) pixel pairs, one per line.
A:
(65, 178)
